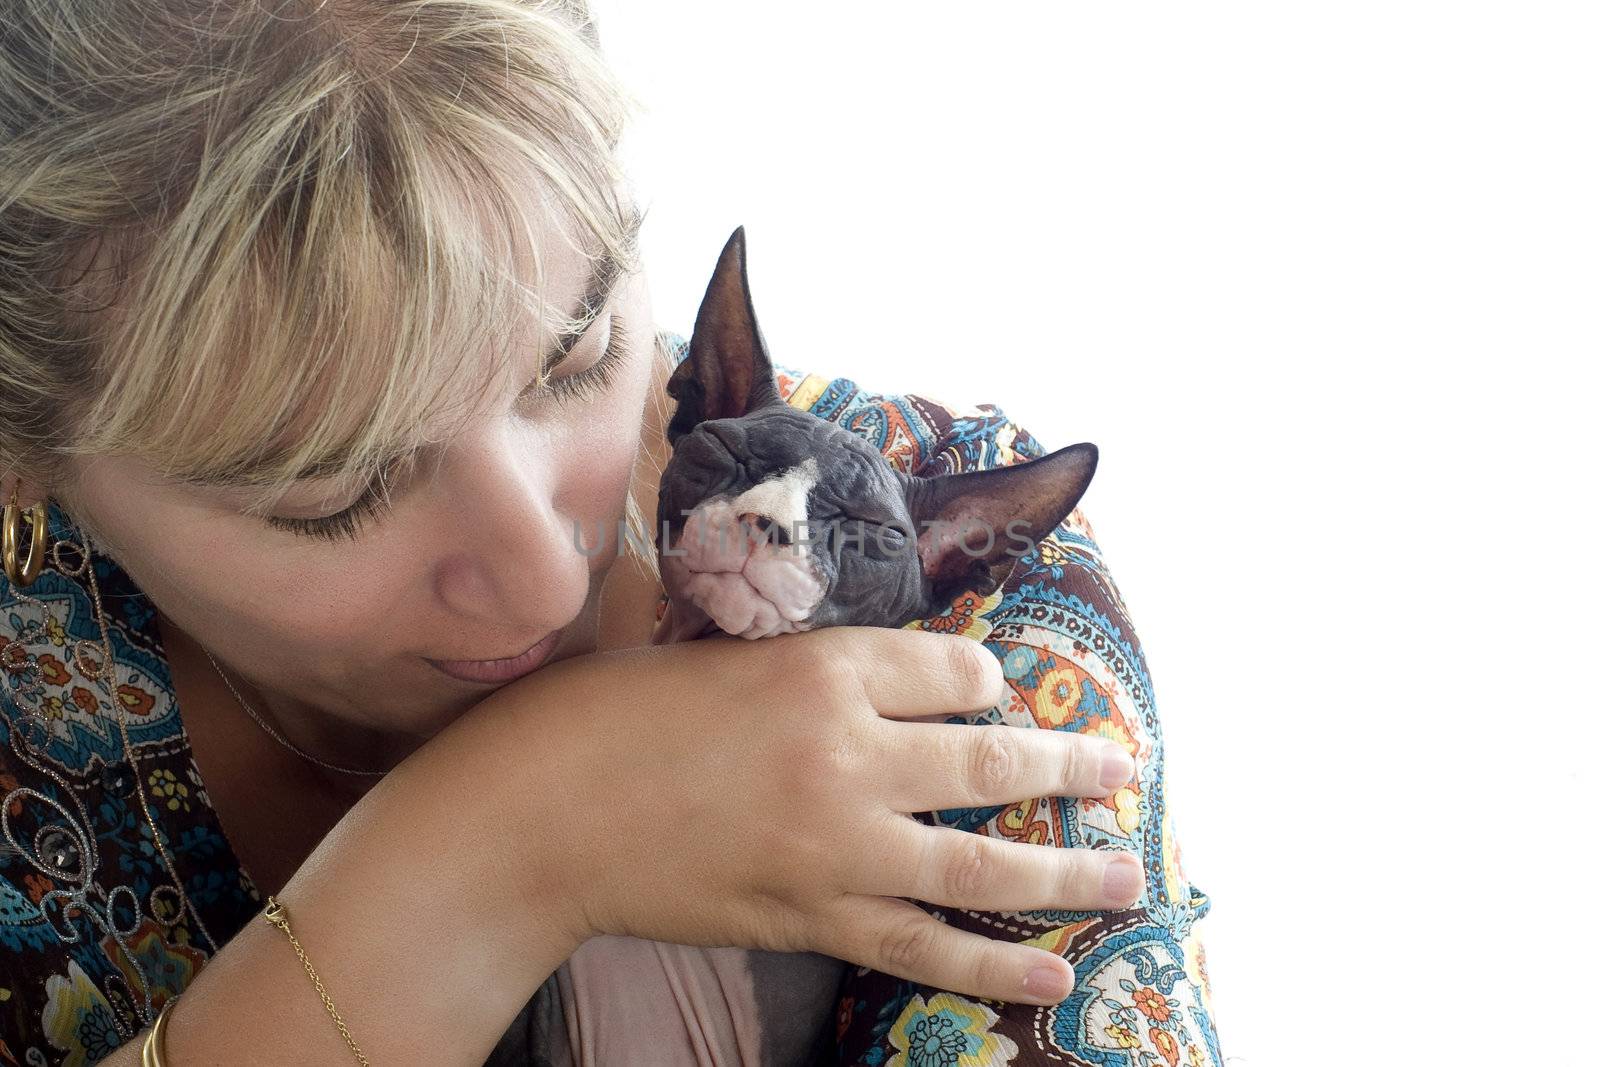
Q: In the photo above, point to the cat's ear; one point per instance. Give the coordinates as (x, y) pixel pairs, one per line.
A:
(727, 373)
(1018, 505)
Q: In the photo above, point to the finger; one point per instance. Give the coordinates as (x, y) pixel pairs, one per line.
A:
(899, 938)
(960, 869)
(963, 766)
(907, 673)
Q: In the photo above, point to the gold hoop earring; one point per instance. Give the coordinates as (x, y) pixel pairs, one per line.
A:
(22, 575)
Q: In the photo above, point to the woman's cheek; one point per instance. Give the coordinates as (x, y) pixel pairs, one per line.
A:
(611, 426)
(313, 603)
(603, 469)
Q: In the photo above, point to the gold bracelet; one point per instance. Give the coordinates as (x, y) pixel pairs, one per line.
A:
(155, 1040)
(279, 917)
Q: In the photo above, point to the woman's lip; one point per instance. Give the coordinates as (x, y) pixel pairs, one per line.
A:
(500, 670)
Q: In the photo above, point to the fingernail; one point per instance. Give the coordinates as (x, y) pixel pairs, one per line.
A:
(1123, 880)
(1048, 983)
(1116, 767)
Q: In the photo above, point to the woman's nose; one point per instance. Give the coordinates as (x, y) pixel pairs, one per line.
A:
(513, 556)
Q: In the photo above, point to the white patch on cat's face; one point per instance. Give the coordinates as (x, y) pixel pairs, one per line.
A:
(723, 571)
(782, 498)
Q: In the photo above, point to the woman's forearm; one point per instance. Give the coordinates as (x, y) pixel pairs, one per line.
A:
(415, 913)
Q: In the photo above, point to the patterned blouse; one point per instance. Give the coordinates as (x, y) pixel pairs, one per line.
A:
(93, 940)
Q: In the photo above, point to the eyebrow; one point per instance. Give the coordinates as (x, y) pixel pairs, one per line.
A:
(604, 275)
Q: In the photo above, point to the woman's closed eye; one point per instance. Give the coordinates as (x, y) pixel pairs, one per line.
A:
(593, 379)
(582, 385)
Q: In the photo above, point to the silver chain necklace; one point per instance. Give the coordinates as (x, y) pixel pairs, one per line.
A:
(279, 737)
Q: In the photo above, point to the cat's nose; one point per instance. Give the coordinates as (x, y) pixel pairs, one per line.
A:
(766, 528)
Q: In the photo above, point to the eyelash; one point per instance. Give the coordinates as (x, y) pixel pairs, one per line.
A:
(584, 385)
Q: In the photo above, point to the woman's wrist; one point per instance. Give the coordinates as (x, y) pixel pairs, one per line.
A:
(424, 965)
(417, 909)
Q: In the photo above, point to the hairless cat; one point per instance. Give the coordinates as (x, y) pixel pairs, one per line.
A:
(775, 520)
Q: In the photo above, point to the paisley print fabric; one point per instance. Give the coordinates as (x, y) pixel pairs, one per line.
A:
(93, 938)
(92, 932)
(1072, 661)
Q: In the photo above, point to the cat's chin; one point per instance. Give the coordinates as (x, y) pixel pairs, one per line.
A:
(693, 624)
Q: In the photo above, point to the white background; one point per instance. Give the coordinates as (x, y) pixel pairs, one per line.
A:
(1320, 280)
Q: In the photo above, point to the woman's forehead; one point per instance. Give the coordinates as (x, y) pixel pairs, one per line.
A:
(367, 357)
(565, 291)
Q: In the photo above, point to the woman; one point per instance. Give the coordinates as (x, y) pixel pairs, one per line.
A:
(321, 335)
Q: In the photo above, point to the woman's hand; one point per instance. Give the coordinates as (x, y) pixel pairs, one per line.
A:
(757, 793)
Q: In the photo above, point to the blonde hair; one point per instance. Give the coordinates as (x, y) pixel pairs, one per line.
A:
(249, 242)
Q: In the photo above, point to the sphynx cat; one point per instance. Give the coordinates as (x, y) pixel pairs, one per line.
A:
(773, 521)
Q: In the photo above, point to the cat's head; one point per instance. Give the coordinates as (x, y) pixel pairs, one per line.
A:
(774, 520)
